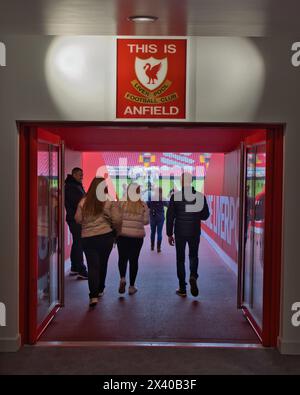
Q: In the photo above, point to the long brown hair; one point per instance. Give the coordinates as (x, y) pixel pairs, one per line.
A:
(92, 206)
(130, 206)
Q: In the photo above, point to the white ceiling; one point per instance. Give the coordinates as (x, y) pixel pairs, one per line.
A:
(176, 17)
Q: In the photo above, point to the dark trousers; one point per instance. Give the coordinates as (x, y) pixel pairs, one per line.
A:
(129, 249)
(156, 224)
(97, 250)
(180, 243)
(77, 264)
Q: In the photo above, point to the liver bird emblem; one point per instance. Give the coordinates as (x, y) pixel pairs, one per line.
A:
(151, 72)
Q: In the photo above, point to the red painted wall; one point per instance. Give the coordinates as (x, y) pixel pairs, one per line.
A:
(215, 175)
(94, 165)
(222, 192)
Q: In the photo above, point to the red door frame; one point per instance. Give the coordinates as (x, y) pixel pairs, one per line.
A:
(248, 142)
(273, 236)
(24, 132)
(29, 137)
(274, 210)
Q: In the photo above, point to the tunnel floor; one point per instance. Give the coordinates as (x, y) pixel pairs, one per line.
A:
(155, 312)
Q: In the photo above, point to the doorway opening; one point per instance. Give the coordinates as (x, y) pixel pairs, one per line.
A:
(240, 251)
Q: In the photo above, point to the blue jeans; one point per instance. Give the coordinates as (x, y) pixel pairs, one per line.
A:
(156, 224)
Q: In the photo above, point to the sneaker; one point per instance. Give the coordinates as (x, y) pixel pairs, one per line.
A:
(158, 247)
(73, 273)
(181, 292)
(194, 288)
(93, 302)
(122, 286)
(82, 276)
(132, 290)
(101, 294)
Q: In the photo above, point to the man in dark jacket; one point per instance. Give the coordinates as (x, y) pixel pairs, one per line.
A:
(187, 208)
(74, 192)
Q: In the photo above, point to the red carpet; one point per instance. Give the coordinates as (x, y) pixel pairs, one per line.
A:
(155, 313)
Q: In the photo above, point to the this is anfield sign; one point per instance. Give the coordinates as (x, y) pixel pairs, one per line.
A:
(151, 78)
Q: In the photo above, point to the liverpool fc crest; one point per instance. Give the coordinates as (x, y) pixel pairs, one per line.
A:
(151, 72)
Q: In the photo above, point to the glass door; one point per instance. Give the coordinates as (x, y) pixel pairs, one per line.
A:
(46, 231)
(260, 240)
(254, 261)
(255, 182)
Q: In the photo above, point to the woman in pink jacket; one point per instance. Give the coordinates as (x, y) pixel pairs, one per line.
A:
(99, 218)
(135, 215)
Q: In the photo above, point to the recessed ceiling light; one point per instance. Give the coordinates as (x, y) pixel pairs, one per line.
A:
(142, 18)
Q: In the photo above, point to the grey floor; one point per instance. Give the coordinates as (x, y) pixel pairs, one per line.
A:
(135, 360)
(145, 360)
(156, 313)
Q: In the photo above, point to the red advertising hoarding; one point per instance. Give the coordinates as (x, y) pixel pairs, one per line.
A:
(222, 193)
(151, 78)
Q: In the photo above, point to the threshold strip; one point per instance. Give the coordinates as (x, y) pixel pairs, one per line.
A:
(146, 344)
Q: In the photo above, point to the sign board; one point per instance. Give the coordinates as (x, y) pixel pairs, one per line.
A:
(151, 78)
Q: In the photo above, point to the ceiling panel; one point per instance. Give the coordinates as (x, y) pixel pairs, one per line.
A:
(176, 17)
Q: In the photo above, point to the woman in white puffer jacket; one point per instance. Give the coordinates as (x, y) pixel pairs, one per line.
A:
(135, 215)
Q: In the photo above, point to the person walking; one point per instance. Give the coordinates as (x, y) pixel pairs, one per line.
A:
(187, 208)
(100, 219)
(157, 217)
(135, 215)
(74, 192)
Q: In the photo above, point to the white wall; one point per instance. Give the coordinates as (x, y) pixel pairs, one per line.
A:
(230, 79)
